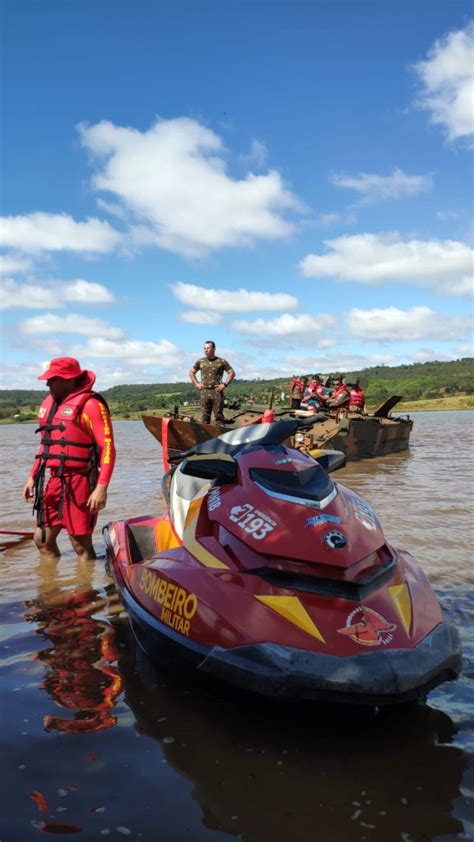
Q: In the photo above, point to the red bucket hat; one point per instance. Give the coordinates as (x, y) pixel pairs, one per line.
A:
(65, 367)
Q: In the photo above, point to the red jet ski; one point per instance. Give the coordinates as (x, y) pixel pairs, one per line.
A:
(267, 574)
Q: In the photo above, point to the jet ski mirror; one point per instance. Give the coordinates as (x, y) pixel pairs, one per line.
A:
(330, 460)
(219, 466)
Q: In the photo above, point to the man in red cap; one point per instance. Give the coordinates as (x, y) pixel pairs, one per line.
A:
(77, 446)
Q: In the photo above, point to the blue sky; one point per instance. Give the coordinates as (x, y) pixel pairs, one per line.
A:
(290, 179)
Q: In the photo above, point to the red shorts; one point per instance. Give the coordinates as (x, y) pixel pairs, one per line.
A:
(76, 517)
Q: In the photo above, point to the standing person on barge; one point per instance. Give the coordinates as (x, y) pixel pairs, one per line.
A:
(77, 445)
(210, 385)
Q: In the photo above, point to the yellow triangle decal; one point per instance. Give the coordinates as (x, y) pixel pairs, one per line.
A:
(189, 538)
(401, 597)
(291, 609)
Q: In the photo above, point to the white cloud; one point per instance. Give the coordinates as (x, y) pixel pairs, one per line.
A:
(420, 323)
(24, 376)
(28, 296)
(442, 265)
(237, 301)
(257, 155)
(199, 317)
(72, 323)
(426, 355)
(463, 350)
(447, 215)
(469, 233)
(37, 232)
(34, 296)
(340, 361)
(12, 265)
(375, 188)
(287, 326)
(86, 292)
(326, 220)
(112, 208)
(132, 351)
(117, 375)
(447, 77)
(173, 177)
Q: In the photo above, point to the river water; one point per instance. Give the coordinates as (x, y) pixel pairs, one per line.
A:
(118, 750)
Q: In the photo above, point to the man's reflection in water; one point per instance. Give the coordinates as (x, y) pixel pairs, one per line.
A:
(79, 662)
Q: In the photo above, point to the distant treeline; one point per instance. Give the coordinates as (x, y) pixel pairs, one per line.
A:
(419, 381)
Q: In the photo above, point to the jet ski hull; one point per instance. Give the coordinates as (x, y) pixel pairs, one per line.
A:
(291, 674)
(276, 643)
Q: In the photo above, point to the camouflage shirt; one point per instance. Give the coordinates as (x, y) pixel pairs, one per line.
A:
(211, 371)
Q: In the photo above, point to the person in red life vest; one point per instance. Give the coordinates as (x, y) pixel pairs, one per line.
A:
(340, 394)
(309, 396)
(315, 394)
(297, 389)
(77, 446)
(356, 398)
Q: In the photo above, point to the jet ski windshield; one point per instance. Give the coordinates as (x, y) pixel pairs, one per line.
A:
(309, 487)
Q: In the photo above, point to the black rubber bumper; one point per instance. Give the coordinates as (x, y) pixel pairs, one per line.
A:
(382, 677)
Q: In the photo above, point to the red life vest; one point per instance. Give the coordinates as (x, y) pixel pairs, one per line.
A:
(357, 397)
(65, 444)
(339, 391)
(310, 396)
(296, 384)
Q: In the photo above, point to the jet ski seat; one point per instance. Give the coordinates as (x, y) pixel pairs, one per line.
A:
(266, 434)
(241, 437)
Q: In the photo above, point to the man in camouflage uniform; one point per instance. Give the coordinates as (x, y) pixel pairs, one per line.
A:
(210, 385)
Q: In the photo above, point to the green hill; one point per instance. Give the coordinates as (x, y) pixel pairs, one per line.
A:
(418, 383)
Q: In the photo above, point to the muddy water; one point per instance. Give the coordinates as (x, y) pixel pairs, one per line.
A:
(118, 750)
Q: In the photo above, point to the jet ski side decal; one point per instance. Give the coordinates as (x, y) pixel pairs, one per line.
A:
(401, 597)
(292, 609)
(368, 627)
(192, 544)
(178, 606)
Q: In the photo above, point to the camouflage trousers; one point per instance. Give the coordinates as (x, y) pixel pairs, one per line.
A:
(212, 401)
